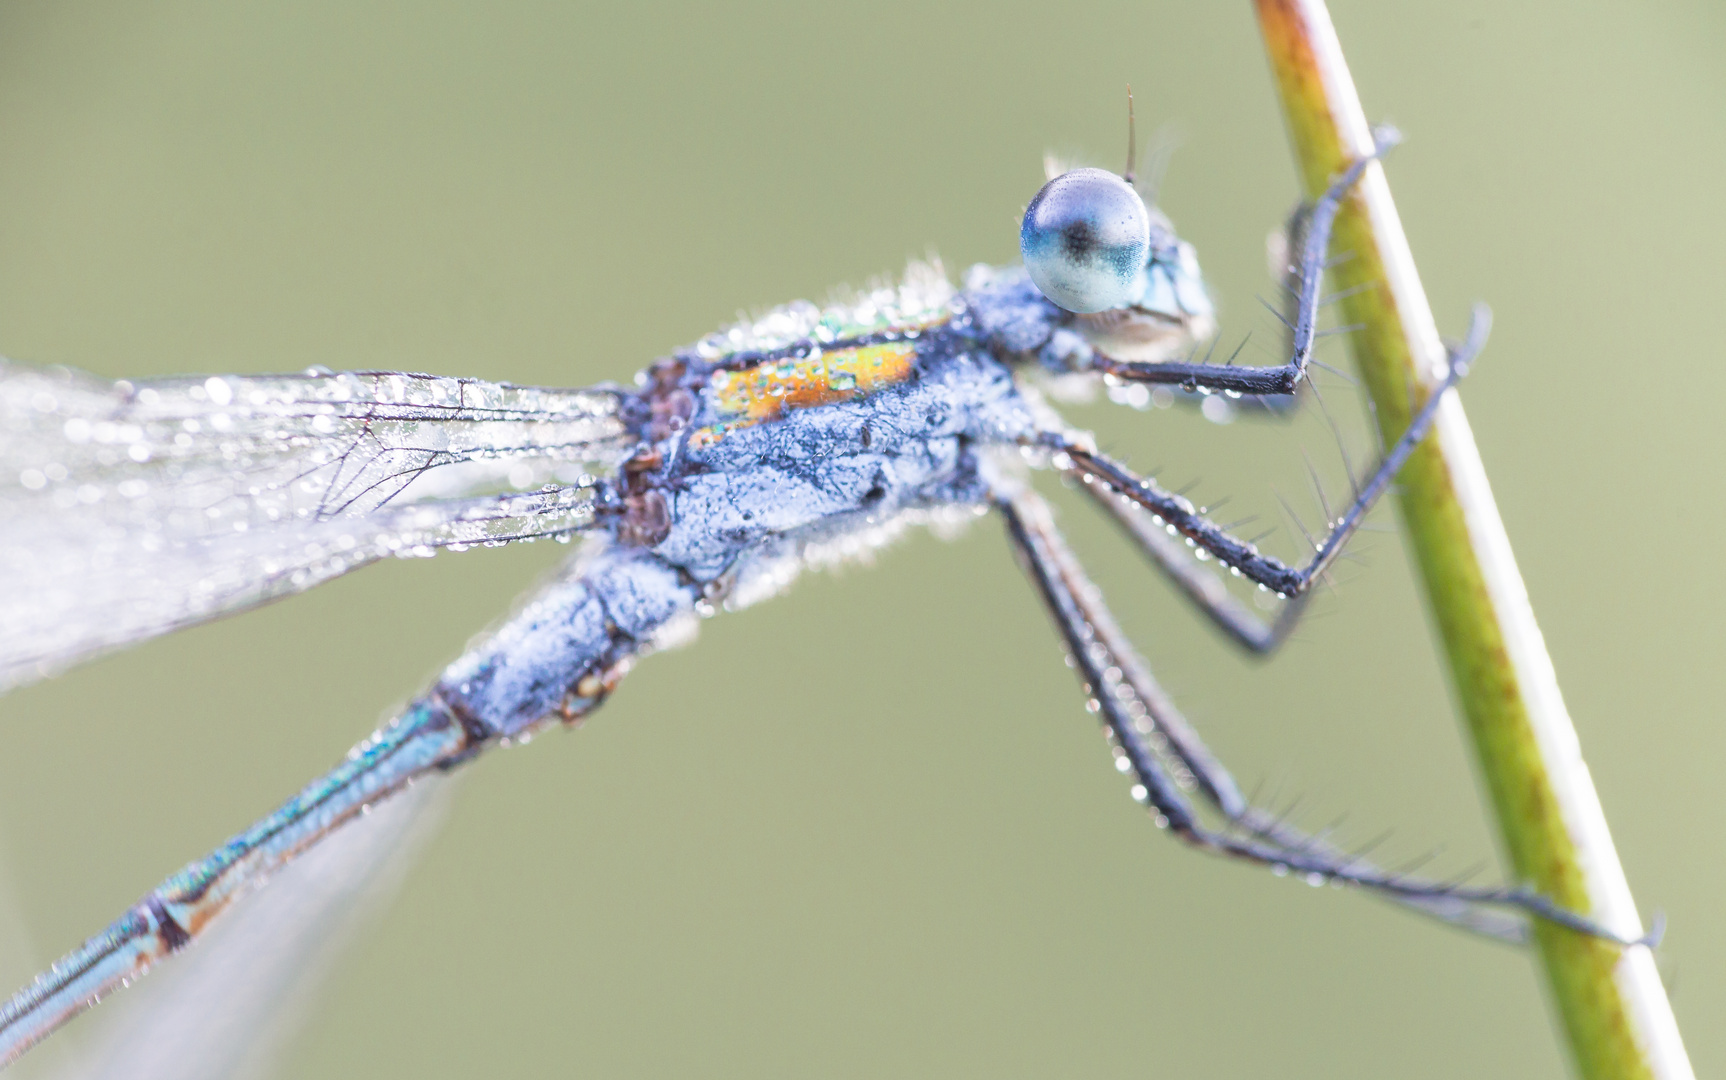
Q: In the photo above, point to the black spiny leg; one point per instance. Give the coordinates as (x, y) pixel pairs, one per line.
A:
(1163, 755)
(1284, 378)
(1168, 508)
(1203, 588)
(1113, 487)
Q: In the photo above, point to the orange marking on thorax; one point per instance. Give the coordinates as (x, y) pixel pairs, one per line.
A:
(768, 390)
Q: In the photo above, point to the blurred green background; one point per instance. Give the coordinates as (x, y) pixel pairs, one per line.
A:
(866, 829)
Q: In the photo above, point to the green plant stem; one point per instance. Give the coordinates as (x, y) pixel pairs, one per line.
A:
(1610, 1001)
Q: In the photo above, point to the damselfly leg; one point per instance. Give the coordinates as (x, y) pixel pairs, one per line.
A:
(1152, 742)
(1201, 587)
(1281, 379)
(1156, 747)
(1178, 512)
(1109, 481)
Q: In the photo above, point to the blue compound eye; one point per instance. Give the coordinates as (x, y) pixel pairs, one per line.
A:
(1085, 241)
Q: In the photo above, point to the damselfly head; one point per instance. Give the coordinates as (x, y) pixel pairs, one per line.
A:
(1086, 239)
(1093, 247)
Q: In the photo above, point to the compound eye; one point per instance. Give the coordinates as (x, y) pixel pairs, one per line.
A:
(1086, 239)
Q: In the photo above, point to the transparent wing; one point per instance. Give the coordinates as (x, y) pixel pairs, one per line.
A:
(128, 509)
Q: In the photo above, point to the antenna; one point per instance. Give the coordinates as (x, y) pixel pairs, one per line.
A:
(1132, 140)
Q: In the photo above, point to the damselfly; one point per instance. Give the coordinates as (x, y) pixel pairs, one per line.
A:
(804, 438)
(642, 515)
